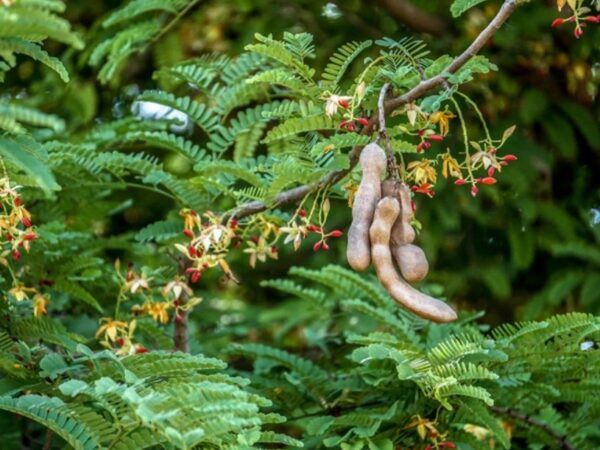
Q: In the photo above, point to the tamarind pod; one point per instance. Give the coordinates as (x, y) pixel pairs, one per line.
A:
(373, 163)
(423, 305)
(402, 231)
(411, 261)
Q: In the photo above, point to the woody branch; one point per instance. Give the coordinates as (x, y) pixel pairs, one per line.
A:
(424, 87)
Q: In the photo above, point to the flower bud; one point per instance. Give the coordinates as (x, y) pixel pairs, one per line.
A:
(557, 22)
(363, 121)
(336, 234)
(317, 246)
(474, 191)
(435, 137)
(488, 180)
(460, 182)
(509, 158)
(343, 103)
(188, 233)
(26, 222)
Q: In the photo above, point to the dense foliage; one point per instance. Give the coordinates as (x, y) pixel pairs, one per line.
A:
(173, 174)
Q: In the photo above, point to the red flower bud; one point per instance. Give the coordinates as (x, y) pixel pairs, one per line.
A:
(336, 234)
(17, 201)
(16, 255)
(474, 191)
(325, 246)
(30, 237)
(302, 213)
(460, 182)
(488, 180)
(420, 147)
(314, 228)
(557, 22)
(195, 276)
(317, 246)
(435, 137)
(188, 233)
(233, 224)
(509, 158)
(420, 132)
(9, 237)
(592, 19)
(274, 249)
(447, 444)
(578, 32)
(491, 171)
(141, 349)
(192, 251)
(364, 122)
(26, 222)
(344, 124)
(343, 103)
(351, 126)
(120, 342)
(254, 239)
(426, 145)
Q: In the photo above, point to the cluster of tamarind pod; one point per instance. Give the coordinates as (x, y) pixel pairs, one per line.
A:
(381, 233)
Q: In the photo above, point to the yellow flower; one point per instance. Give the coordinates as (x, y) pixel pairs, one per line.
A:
(259, 250)
(20, 292)
(190, 219)
(422, 172)
(177, 287)
(443, 119)
(111, 328)
(351, 188)
(423, 425)
(450, 166)
(158, 311)
(39, 305)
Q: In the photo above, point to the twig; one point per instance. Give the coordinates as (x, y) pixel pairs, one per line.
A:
(48, 442)
(181, 338)
(391, 160)
(295, 194)
(406, 12)
(561, 439)
(176, 19)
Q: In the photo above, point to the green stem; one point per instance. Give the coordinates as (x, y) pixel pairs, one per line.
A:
(465, 139)
(479, 114)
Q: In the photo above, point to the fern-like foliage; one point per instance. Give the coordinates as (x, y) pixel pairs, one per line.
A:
(378, 368)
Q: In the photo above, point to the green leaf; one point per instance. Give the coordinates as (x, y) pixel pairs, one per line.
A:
(460, 6)
(28, 156)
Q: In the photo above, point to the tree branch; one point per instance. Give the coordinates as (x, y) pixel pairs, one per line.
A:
(391, 159)
(425, 86)
(404, 11)
(560, 438)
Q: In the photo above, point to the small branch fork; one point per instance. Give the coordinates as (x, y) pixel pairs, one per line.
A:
(425, 86)
(558, 437)
(383, 134)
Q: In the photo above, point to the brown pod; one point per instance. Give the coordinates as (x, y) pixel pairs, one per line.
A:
(411, 259)
(412, 262)
(373, 163)
(402, 232)
(422, 305)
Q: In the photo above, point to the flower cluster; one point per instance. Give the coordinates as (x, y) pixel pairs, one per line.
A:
(427, 431)
(300, 227)
(580, 18)
(16, 235)
(16, 231)
(433, 128)
(118, 335)
(210, 240)
(155, 301)
(348, 104)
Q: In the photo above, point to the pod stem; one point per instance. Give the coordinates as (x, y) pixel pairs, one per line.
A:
(383, 134)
